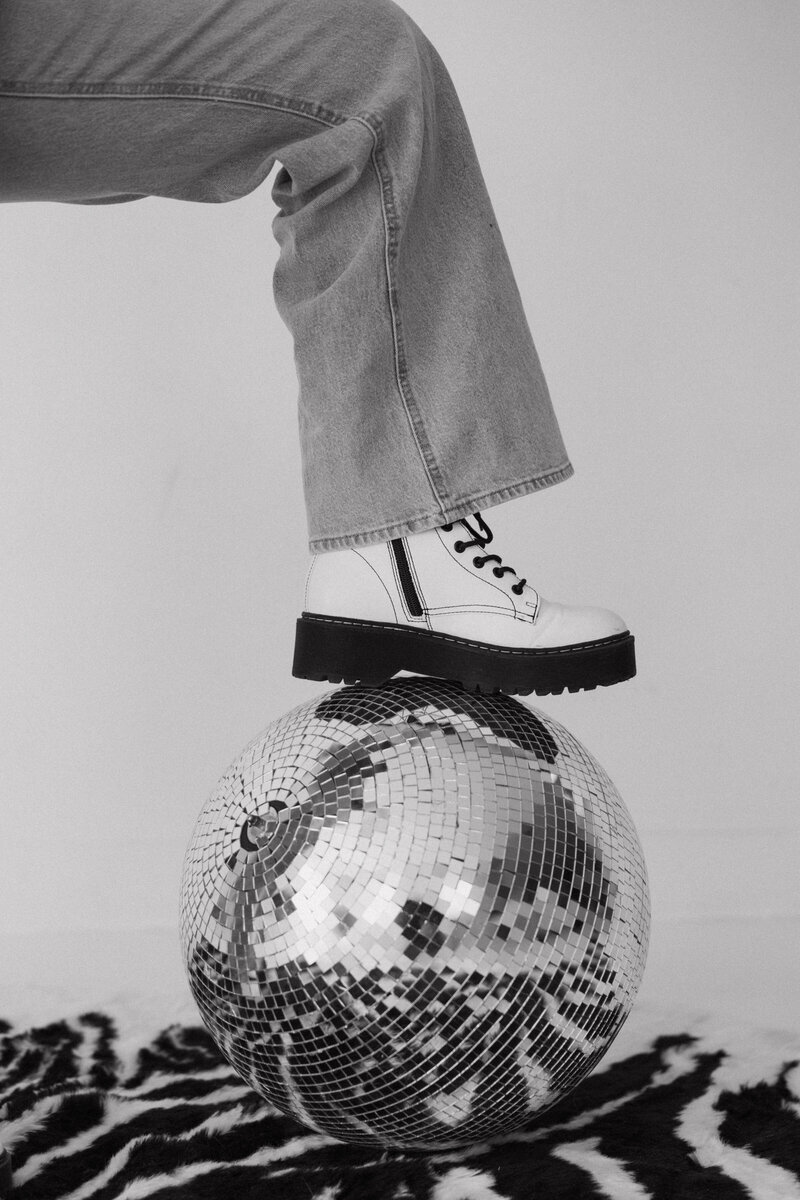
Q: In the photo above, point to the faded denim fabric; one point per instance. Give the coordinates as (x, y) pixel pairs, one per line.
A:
(421, 396)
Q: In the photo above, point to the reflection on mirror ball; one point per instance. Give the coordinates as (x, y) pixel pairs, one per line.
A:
(413, 916)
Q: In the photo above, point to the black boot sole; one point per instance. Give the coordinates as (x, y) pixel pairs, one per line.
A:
(340, 650)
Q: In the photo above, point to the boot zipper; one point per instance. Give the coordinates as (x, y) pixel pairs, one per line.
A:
(413, 602)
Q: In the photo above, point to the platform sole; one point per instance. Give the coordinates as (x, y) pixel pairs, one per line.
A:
(340, 650)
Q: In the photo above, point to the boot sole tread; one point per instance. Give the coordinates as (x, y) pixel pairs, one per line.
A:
(342, 650)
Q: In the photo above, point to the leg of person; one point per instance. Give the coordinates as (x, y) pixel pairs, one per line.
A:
(421, 395)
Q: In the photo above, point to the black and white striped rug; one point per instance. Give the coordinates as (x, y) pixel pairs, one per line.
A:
(687, 1112)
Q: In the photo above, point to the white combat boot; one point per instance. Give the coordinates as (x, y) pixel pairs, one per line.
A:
(427, 603)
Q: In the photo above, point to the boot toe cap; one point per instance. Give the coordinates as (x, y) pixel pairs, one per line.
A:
(567, 625)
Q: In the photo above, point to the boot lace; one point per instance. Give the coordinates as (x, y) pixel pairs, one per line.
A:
(482, 538)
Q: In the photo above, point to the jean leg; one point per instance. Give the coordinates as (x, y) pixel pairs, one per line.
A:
(421, 397)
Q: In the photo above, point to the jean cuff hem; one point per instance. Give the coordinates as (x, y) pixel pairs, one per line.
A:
(452, 512)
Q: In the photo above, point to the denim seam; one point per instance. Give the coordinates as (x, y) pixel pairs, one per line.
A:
(173, 90)
(178, 89)
(389, 209)
(457, 509)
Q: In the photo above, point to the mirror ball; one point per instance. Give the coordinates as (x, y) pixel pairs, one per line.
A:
(412, 916)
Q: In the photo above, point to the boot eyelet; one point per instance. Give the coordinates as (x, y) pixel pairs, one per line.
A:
(516, 590)
(447, 528)
(459, 547)
(477, 562)
(498, 574)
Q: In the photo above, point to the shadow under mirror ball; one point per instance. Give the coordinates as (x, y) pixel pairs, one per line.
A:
(412, 916)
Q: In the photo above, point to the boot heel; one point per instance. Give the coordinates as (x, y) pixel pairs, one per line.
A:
(343, 651)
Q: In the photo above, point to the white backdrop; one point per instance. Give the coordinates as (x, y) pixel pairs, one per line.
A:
(643, 163)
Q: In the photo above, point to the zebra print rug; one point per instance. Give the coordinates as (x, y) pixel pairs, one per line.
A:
(685, 1113)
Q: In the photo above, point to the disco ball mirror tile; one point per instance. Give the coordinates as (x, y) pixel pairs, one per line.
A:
(413, 916)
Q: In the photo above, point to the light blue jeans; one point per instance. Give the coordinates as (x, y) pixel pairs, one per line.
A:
(421, 396)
